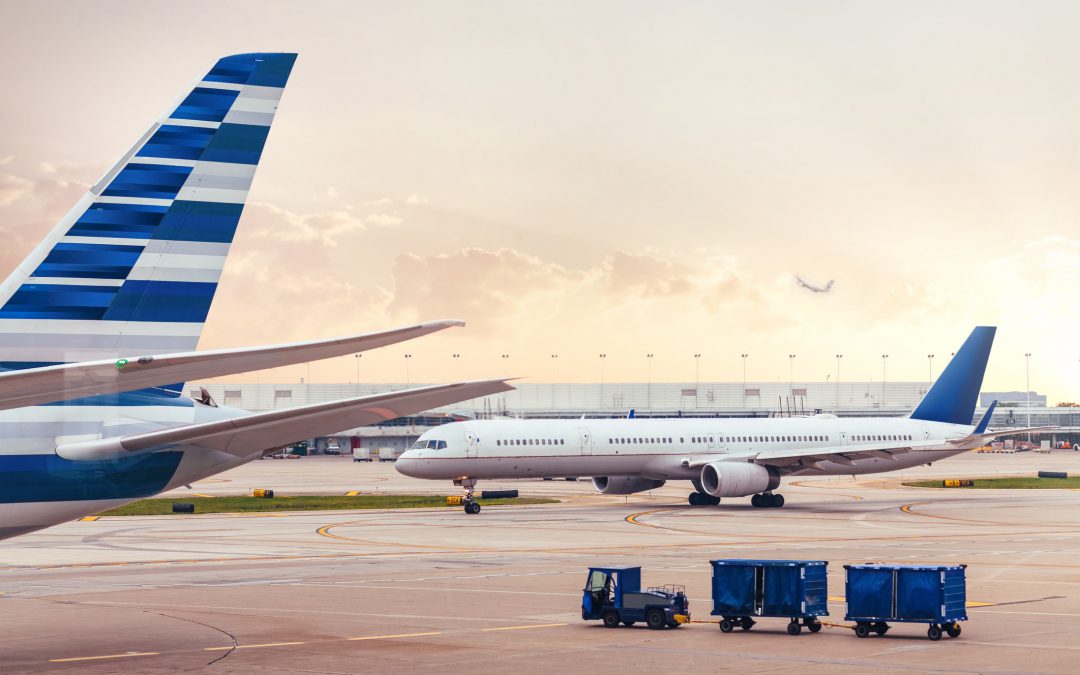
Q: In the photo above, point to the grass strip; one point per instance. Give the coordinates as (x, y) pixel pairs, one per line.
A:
(160, 506)
(1010, 483)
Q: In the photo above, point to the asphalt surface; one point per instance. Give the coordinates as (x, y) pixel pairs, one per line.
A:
(403, 590)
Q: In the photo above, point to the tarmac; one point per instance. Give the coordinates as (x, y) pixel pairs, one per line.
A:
(394, 591)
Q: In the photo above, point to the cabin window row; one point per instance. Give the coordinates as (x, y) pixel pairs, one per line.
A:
(531, 441)
(777, 439)
(882, 437)
(632, 441)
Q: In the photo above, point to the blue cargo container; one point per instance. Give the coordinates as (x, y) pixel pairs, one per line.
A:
(793, 589)
(931, 594)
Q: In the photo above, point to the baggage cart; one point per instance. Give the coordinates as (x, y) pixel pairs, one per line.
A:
(878, 595)
(793, 589)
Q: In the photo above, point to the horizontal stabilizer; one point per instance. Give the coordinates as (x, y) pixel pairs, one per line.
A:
(260, 432)
(977, 439)
(36, 386)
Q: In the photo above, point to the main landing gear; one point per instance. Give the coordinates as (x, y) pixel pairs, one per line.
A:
(767, 500)
(702, 499)
(468, 500)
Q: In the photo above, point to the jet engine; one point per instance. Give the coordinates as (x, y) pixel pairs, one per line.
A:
(624, 485)
(737, 479)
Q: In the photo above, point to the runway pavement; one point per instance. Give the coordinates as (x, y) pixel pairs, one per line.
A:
(399, 591)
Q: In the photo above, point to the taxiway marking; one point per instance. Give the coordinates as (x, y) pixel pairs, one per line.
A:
(107, 656)
(267, 644)
(391, 637)
(537, 625)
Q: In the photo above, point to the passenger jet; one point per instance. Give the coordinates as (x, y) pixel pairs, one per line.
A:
(733, 457)
(98, 324)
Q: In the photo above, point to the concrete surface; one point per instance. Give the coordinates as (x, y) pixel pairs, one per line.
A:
(434, 589)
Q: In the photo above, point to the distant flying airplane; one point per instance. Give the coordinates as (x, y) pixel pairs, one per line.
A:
(98, 323)
(737, 457)
(812, 286)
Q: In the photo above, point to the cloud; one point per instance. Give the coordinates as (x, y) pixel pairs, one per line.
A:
(6, 159)
(327, 228)
(13, 188)
(414, 199)
(383, 220)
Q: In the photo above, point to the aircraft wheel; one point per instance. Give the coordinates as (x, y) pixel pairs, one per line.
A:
(777, 501)
(472, 508)
(695, 499)
(755, 501)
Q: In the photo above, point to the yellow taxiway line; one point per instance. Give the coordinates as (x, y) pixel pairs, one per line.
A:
(537, 625)
(107, 656)
(391, 637)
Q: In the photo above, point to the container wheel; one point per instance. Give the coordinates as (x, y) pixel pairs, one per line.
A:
(813, 625)
(934, 632)
(953, 630)
(746, 623)
(726, 626)
(793, 628)
(628, 623)
(611, 619)
(655, 619)
(862, 630)
(881, 628)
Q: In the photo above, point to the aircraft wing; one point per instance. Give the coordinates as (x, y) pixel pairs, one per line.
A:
(261, 432)
(35, 386)
(798, 459)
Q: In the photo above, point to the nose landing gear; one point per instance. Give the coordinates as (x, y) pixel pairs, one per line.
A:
(767, 500)
(469, 501)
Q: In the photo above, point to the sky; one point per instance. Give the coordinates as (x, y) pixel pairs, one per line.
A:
(625, 178)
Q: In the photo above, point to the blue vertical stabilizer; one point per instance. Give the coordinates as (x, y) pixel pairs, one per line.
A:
(953, 397)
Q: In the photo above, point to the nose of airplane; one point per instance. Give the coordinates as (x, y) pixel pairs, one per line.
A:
(408, 464)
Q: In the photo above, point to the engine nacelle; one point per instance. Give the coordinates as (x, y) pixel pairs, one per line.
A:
(737, 479)
(624, 485)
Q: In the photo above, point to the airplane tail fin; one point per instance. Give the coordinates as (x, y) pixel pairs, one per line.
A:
(953, 397)
(134, 266)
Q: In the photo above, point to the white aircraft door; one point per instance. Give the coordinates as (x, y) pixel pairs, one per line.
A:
(470, 444)
(586, 441)
(843, 438)
(712, 441)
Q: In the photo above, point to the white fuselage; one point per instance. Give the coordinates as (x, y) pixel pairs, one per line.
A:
(38, 488)
(664, 449)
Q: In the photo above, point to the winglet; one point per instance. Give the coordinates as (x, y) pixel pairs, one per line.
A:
(631, 415)
(985, 421)
(953, 397)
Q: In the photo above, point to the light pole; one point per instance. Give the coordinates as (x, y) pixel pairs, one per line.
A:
(648, 390)
(697, 379)
(357, 367)
(838, 357)
(407, 358)
(602, 358)
(553, 362)
(1027, 386)
(744, 357)
(791, 375)
(930, 358)
(884, 378)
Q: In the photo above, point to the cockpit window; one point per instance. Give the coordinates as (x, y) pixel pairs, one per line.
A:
(441, 445)
(419, 445)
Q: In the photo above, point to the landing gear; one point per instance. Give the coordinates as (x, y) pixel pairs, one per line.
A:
(767, 500)
(471, 507)
(702, 499)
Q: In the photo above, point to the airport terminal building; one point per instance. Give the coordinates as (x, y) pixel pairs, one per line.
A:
(575, 400)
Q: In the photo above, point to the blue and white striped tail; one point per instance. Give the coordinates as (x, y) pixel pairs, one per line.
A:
(133, 268)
